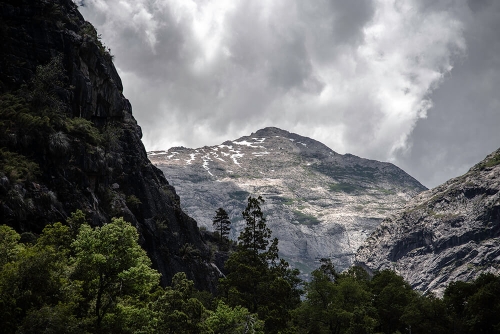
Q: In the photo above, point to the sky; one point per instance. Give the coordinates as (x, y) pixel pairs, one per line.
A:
(413, 82)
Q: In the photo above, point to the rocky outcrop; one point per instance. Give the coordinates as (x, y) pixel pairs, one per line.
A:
(69, 140)
(318, 203)
(449, 233)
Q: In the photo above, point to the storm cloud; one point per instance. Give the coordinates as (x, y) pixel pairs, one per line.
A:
(411, 82)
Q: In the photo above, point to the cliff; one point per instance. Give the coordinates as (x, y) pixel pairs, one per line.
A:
(449, 233)
(69, 140)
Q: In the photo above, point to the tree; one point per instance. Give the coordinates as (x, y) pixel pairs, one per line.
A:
(475, 305)
(228, 320)
(428, 314)
(9, 245)
(392, 295)
(258, 279)
(337, 303)
(178, 311)
(34, 285)
(255, 236)
(114, 269)
(94, 281)
(222, 224)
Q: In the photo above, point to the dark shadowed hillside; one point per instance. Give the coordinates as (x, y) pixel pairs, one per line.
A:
(69, 140)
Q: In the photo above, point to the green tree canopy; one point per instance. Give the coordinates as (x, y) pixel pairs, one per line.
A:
(112, 266)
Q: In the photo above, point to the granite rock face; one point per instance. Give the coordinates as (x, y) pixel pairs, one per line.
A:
(445, 234)
(318, 203)
(80, 141)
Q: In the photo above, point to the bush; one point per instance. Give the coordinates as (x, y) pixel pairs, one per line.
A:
(58, 144)
(133, 201)
(81, 127)
(17, 167)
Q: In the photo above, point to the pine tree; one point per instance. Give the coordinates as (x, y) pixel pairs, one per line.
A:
(258, 279)
(255, 236)
(222, 224)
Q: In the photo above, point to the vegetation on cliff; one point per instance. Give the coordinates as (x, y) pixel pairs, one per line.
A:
(68, 140)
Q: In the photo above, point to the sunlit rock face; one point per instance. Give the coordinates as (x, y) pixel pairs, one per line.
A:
(445, 234)
(318, 203)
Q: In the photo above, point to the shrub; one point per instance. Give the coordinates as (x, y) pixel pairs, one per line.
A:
(90, 32)
(58, 144)
(81, 127)
(17, 167)
(133, 202)
(493, 161)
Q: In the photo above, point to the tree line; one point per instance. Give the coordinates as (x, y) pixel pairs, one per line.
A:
(74, 278)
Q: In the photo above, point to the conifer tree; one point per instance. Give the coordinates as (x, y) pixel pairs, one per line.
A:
(222, 224)
(258, 279)
(255, 236)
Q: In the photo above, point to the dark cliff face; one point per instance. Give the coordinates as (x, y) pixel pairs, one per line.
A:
(449, 233)
(69, 140)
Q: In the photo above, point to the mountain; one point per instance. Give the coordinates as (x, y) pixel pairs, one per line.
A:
(445, 234)
(69, 140)
(318, 203)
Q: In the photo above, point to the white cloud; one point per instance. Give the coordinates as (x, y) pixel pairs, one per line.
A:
(357, 76)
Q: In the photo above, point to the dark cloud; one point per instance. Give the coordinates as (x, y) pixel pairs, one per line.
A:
(412, 82)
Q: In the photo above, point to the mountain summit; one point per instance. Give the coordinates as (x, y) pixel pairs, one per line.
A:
(318, 203)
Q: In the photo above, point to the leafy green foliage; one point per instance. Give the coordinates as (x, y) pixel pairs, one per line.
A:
(37, 278)
(493, 161)
(337, 303)
(96, 280)
(73, 278)
(133, 201)
(179, 312)
(475, 306)
(113, 266)
(17, 167)
(391, 295)
(84, 128)
(9, 245)
(227, 320)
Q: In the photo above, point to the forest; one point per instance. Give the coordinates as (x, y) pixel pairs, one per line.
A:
(74, 278)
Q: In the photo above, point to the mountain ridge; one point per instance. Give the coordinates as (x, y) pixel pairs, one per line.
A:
(445, 234)
(319, 202)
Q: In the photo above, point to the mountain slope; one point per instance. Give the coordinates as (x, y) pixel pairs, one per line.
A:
(449, 233)
(319, 203)
(69, 140)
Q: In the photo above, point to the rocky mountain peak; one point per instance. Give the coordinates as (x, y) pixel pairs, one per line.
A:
(319, 203)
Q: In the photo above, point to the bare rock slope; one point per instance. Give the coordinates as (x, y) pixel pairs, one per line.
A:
(449, 233)
(318, 203)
